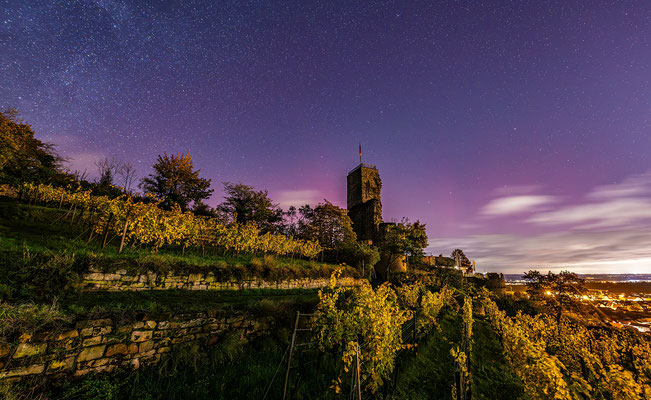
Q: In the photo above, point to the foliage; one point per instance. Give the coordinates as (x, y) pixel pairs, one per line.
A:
(175, 182)
(144, 223)
(38, 276)
(27, 317)
(370, 321)
(23, 158)
(404, 238)
(329, 225)
(463, 260)
(367, 321)
(244, 205)
(567, 360)
(361, 255)
(558, 292)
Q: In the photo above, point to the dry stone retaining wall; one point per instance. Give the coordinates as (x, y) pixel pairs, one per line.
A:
(122, 280)
(104, 344)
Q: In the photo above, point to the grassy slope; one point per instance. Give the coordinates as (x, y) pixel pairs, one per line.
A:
(430, 375)
(43, 229)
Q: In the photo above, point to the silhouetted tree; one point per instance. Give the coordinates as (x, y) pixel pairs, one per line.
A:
(175, 181)
(22, 156)
(127, 175)
(244, 204)
(403, 239)
(465, 262)
(564, 290)
(328, 224)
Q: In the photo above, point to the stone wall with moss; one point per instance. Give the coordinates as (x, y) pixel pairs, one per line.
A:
(105, 344)
(122, 280)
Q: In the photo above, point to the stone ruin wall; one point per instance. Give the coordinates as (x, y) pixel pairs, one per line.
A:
(121, 280)
(105, 344)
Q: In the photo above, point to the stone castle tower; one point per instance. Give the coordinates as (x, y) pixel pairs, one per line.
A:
(364, 204)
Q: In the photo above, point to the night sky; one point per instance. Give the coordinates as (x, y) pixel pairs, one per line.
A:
(518, 131)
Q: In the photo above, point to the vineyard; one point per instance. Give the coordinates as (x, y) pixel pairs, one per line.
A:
(144, 223)
(550, 359)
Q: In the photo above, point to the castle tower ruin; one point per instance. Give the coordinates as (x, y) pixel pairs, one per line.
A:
(364, 204)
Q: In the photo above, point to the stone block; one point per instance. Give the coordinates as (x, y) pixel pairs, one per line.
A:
(29, 349)
(67, 335)
(146, 346)
(86, 332)
(116, 349)
(102, 330)
(92, 341)
(158, 334)
(61, 365)
(91, 353)
(23, 371)
(141, 336)
(94, 276)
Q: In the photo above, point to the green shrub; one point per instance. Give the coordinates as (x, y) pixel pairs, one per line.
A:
(27, 317)
(39, 276)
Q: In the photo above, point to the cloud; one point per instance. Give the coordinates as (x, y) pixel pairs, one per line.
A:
(516, 204)
(620, 250)
(623, 204)
(607, 230)
(298, 198)
(85, 161)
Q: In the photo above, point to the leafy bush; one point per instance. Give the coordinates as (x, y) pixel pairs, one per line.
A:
(39, 276)
(27, 317)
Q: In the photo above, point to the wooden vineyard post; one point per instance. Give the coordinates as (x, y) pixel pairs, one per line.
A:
(359, 384)
(61, 200)
(124, 230)
(414, 342)
(74, 212)
(80, 219)
(106, 229)
(289, 359)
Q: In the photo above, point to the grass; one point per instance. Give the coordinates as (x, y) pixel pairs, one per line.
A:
(43, 257)
(41, 229)
(228, 370)
(430, 375)
(171, 302)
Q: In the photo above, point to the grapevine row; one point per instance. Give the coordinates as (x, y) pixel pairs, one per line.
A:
(145, 223)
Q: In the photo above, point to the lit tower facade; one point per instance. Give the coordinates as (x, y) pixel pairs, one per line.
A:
(364, 204)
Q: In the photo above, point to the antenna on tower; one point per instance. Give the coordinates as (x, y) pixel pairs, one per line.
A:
(360, 152)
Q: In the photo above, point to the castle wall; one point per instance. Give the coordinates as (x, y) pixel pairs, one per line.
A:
(364, 202)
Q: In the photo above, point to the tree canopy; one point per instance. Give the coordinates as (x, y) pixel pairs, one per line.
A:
(558, 292)
(463, 260)
(244, 204)
(175, 181)
(405, 238)
(328, 224)
(23, 157)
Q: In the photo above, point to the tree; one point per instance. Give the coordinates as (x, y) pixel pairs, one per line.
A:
(463, 260)
(329, 225)
(127, 175)
(107, 168)
(403, 239)
(175, 181)
(244, 204)
(362, 255)
(23, 157)
(557, 291)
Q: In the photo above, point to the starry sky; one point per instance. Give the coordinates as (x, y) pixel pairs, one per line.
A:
(519, 131)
